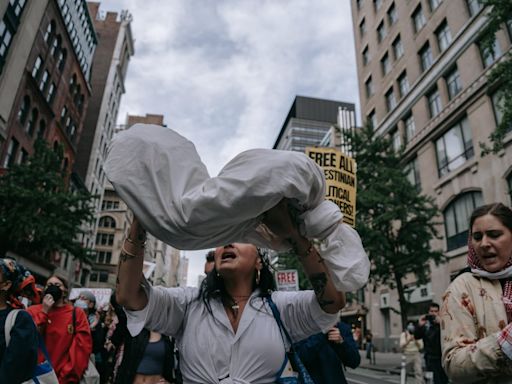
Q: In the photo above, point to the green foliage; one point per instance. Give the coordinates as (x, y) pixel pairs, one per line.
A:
(500, 12)
(38, 214)
(395, 222)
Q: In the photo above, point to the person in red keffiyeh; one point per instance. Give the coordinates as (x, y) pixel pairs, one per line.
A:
(476, 316)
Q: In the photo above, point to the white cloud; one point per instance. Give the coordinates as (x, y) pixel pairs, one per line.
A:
(224, 73)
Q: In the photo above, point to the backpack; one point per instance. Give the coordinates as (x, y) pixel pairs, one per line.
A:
(44, 373)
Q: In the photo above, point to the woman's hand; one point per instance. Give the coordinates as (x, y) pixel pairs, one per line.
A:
(48, 303)
(279, 221)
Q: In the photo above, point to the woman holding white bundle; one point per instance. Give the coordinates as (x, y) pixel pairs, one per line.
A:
(227, 331)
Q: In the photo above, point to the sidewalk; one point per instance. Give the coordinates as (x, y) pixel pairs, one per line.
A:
(384, 361)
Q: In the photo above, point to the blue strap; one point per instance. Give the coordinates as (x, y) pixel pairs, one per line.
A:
(277, 317)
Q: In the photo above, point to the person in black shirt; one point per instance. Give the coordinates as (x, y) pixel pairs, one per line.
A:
(429, 330)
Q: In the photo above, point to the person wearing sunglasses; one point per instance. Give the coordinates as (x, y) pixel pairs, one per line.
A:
(65, 331)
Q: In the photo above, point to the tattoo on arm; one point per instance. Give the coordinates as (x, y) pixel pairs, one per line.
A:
(319, 282)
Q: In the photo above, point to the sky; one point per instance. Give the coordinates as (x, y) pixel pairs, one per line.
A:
(224, 73)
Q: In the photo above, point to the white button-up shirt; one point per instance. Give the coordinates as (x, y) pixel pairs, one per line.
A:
(210, 351)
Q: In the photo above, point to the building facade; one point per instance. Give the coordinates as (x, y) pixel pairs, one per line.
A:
(44, 92)
(309, 120)
(110, 63)
(423, 82)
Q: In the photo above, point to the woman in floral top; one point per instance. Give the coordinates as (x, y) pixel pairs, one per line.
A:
(476, 314)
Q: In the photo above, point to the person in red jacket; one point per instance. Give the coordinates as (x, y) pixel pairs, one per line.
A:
(69, 342)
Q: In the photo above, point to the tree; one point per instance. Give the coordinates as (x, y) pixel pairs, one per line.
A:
(396, 223)
(500, 12)
(38, 213)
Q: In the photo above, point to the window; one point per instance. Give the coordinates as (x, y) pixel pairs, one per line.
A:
(369, 87)
(396, 140)
(362, 27)
(24, 108)
(454, 147)
(109, 204)
(392, 14)
(498, 105)
(366, 55)
(398, 48)
(36, 70)
(426, 57)
(41, 130)
(381, 31)
(104, 239)
(418, 19)
(44, 81)
(434, 102)
(62, 59)
(385, 64)
(63, 114)
(377, 4)
(403, 84)
(474, 7)
(17, 6)
(412, 170)
(103, 277)
(11, 153)
(107, 222)
(51, 93)
(489, 55)
(104, 257)
(444, 36)
(456, 219)
(410, 127)
(6, 32)
(372, 119)
(72, 84)
(434, 4)
(23, 156)
(54, 50)
(31, 124)
(453, 83)
(390, 99)
(50, 32)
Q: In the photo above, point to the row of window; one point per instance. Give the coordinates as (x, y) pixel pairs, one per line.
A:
(8, 27)
(109, 204)
(27, 118)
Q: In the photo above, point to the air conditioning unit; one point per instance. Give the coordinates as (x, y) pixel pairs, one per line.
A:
(384, 300)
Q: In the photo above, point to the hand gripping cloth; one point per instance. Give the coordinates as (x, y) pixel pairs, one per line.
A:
(160, 176)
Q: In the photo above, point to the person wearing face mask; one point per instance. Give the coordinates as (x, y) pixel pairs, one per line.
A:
(411, 348)
(67, 337)
(476, 314)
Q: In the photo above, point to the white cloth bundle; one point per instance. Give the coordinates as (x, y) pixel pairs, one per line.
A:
(160, 176)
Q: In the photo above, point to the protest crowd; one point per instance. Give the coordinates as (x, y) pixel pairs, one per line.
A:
(236, 327)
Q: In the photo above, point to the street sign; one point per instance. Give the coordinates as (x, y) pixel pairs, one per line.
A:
(340, 179)
(287, 280)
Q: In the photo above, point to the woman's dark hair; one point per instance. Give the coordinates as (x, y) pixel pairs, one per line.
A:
(213, 287)
(498, 210)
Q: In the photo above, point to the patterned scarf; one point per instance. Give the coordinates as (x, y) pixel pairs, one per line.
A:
(505, 273)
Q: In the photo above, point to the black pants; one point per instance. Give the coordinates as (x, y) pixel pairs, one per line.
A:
(434, 365)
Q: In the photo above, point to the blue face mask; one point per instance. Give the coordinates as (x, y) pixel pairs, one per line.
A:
(410, 328)
(81, 304)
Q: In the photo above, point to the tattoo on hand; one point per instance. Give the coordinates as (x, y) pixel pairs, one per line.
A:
(319, 282)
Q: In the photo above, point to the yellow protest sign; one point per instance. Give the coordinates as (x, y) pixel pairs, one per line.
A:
(340, 177)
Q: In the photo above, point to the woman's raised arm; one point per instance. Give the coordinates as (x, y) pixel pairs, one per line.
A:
(279, 221)
(129, 292)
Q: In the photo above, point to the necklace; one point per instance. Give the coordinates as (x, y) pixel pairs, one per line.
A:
(235, 307)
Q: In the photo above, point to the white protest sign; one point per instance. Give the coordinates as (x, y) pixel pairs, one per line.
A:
(287, 280)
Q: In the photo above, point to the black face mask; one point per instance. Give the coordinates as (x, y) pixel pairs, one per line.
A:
(54, 291)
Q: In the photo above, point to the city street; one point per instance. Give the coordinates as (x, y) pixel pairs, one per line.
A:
(367, 376)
